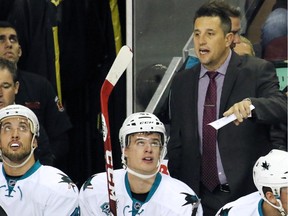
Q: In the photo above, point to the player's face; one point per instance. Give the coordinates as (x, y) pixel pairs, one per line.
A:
(8, 88)
(143, 152)
(9, 45)
(284, 198)
(211, 45)
(15, 139)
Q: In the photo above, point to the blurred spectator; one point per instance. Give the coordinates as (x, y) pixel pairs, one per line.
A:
(245, 47)
(274, 27)
(147, 81)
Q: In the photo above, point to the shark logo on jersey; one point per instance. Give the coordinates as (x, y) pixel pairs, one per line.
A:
(87, 183)
(265, 165)
(190, 199)
(66, 179)
(224, 212)
(105, 208)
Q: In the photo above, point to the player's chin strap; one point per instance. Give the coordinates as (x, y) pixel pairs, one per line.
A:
(143, 176)
(24, 162)
(280, 207)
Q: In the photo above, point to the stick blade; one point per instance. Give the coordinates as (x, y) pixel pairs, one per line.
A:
(120, 64)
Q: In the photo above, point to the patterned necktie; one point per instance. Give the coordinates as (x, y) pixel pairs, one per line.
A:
(209, 164)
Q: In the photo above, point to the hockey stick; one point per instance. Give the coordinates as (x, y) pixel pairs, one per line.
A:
(118, 67)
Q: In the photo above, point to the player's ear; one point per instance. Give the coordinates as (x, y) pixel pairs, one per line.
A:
(35, 143)
(270, 197)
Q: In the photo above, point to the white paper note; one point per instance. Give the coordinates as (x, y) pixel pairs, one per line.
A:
(226, 120)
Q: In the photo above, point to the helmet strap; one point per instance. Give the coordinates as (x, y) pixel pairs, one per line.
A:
(27, 159)
(142, 176)
(279, 208)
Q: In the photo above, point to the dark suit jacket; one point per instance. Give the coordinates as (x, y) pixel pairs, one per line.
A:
(239, 146)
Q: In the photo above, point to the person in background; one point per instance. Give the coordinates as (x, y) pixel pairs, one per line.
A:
(275, 25)
(147, 82)
(270, 175)
(9, 84)
(26, 186)
(215, 163)
(9, 87)
(245, 47)
(140, 188)
(274, 33)
(37, 93)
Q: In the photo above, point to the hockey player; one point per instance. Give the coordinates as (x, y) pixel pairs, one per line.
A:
(37, 93)
(270, 174)
(26, 186)
(140, 188)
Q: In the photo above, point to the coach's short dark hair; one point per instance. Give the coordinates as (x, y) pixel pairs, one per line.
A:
(210, 10)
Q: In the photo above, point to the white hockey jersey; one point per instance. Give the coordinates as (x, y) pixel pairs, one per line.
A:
(42, 190)
(249, 205)
(167, 197)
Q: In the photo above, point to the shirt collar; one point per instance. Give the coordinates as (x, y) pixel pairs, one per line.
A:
(222, 69)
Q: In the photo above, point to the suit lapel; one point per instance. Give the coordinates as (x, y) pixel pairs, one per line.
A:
(229, 80)
(194, 90)
(189, 92)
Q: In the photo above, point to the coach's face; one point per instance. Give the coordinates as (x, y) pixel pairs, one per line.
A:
(210, 43)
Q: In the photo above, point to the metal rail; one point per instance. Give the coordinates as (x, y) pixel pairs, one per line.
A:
(162, 91)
